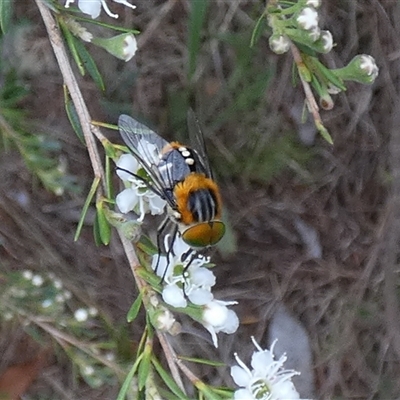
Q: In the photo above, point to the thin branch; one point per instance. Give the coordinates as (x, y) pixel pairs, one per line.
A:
(73, 88)
(168, 351)
(311, 102)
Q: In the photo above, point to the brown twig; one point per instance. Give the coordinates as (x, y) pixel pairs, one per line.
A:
(73, 88)
(311, 102)
(89, 130)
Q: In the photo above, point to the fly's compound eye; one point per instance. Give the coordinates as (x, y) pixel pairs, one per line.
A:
(204, 234)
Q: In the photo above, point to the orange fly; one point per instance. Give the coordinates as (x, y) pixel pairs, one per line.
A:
(182, 177)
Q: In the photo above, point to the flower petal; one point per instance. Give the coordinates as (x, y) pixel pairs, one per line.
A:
(129, 163)
(127, 200)
(90, 7)
(231, 324)
(284, 390)
(243, 394)
(261, 360)
(240, 376)
(202, 277)
(200, 296)
(215, 314)
(174, 296)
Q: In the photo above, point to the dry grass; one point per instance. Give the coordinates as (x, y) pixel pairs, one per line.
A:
(348, 193)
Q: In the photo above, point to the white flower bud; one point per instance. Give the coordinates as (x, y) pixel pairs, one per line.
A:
(279, 44)
(308, 18)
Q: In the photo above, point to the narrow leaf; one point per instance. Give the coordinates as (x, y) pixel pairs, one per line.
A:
(202, 361)
(96, 231)
(73, 116)
(168, 379)
(258, 30)
(104, 226)
(144, 368)
(89, 64)
(88, 200)
(127, 382)
(71, 42)
(134, 310)
(109, 185)
(6, 10)
(196, 21)
(324, 133)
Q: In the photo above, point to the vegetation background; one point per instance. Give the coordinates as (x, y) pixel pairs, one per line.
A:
(313, 226)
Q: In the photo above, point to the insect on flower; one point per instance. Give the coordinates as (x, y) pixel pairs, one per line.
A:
(182, 177)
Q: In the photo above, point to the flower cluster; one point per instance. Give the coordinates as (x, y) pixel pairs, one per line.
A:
(267, 380)
(122, 46)
(136, 196)
(187, 280)
(93, 7)
(298, 22)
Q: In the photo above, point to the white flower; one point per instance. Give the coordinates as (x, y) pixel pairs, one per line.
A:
(7, 316)
(37, 280)
(313, 3)
(47, 303)
(27, 274)
(218, 318)
(81, 314)
(267, 380)
(368, 65)
(93, 7)
(57, 283)
(110, 356)
(308, 18)
(93, 311)
(327, 41)
(67, 294)
(184, 275)
(87, 370)
(279, 44)
(137, 196)
(60, 298)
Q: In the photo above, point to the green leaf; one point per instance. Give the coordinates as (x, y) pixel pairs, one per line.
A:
(127, 382)
(109, 185)
(258, 30)
(96, 231)
(103, 24)
(73, 116)
(144, 367)
(6, 11)
(147, 246)
(207, 391)
(196, 21)
(168, 379)
(103, 225)
(202, 361)
(71, 42)
(134, 310)
(324, 133)
(89, 64)
(88, 200)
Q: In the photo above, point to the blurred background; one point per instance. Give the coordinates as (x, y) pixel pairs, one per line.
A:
(313, 228)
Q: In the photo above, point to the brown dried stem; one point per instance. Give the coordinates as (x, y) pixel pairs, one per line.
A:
(89, 130)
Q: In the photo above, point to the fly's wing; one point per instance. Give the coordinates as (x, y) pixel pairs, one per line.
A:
(197, 140)
(147, 147)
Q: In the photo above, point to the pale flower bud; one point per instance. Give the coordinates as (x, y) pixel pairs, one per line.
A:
(279, 44)
(308, 18)
(122, 46)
